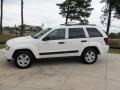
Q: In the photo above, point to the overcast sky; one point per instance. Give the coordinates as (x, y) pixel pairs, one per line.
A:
(37, 12)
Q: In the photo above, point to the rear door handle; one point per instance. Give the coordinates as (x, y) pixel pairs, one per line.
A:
(61, 42)
(84, 41)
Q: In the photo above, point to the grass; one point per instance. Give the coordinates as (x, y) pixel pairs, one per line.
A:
(116, 51)
(4, 38)
(114, 43)
(2, 46)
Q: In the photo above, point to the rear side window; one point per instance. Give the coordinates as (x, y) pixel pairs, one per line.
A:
(76, 33)
(93, 32)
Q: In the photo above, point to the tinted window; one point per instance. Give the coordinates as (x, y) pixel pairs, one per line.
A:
(76, 33)
(57, 34)
(93, 32)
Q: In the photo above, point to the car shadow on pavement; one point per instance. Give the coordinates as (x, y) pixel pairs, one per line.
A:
(58, 61)
(54, 61)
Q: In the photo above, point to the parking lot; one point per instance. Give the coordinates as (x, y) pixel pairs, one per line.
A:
(62, 74)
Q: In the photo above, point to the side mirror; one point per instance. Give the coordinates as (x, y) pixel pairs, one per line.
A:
(46, 39)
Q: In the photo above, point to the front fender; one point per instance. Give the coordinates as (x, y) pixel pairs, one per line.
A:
(33, 49)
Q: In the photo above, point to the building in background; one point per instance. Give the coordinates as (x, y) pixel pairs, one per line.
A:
(29, 29)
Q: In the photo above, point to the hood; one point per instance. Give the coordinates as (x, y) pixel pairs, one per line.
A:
(19, 40)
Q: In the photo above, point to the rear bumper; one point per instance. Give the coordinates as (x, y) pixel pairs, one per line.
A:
(105, 49)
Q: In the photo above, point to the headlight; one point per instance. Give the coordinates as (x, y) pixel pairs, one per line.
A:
(7, 47)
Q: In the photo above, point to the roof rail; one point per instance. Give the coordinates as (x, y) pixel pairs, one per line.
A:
(78, 24)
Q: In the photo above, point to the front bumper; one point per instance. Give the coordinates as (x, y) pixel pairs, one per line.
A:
(8, 55)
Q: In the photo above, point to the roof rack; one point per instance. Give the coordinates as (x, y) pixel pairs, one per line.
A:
(78, 24)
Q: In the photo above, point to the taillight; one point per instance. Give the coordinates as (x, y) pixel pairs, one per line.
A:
(106, 41)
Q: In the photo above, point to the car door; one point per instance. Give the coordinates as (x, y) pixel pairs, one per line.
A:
(53, 44)
(76, 41)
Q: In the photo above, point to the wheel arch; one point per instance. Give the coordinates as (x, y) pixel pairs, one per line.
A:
(28, 50)
(93, 47)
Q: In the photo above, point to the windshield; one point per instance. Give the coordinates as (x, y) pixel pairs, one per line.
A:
(41, 33)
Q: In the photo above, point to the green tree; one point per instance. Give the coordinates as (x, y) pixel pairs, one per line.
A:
(111, 6)
(1, 18)
(78, 10)
(113, 35)
(118, 35)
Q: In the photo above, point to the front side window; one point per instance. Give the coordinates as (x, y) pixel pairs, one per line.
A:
(56, 34)
(93, 32)
(41, 33)
(76, 33)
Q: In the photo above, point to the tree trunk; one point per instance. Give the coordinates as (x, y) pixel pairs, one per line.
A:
(68, 3)
(109, 19)
(66, 22)
(22, 19)
(1, 18)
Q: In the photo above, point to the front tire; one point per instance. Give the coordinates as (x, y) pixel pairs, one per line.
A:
(89, 56)
(23, 59)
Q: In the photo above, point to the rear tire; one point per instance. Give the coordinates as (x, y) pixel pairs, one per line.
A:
(89, 56)
(23, 59)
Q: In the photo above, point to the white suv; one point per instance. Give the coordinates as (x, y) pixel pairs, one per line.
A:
(87, 41)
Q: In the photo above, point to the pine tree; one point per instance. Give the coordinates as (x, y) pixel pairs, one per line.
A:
(77, 10)
(111, 5)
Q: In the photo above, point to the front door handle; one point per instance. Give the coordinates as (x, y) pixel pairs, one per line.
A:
(84, 41)
(61, 42)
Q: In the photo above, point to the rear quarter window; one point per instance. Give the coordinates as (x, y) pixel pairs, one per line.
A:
(94, 32)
